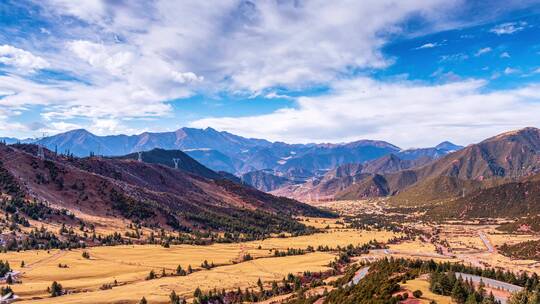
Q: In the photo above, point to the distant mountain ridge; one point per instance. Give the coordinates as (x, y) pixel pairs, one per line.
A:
(494, 162)
(353, 180)
(223, 151)
(81, 142)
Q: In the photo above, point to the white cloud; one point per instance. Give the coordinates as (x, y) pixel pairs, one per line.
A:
(427, 46)
(186, 77)
(59, 127)
(243, 45)
(483, 51)
(454, 57)
(133, 57)
(508, 28)
(273, 94)
(505, 55)
(404, 113)
(510, 70)
(88, 10)
(97, 55)
(70, 100)
(8, 127)
(20, 59)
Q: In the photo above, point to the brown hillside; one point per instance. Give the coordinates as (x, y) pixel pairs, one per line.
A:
(152, 194)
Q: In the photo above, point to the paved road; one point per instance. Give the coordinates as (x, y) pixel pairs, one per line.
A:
(486, 241)
(359, 275)
(409, 253)
(491, 283)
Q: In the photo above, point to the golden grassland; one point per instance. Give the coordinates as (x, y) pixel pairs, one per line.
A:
(415, 246)
(229, 277)
(321, 223)
(129, 265)
(427, 296)
(498, 239)
(465, 242)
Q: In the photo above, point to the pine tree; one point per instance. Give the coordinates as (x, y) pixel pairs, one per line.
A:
(9, 279)
(275, 288)
(55, 289)
(180, 271)
(459, 293)
(143, 301)
(471, 299)
(197, 293)
(175, 299)
(260, 284)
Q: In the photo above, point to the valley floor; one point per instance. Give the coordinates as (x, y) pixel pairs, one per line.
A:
(471, 243)
(130, 265)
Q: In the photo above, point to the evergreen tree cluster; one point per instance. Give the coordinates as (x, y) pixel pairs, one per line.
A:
(4, 268)
(461, 291)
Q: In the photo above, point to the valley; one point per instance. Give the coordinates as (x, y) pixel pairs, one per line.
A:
(129, 266)
(120, 274)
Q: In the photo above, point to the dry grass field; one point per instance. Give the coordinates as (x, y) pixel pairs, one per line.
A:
(229, 277)
(427, 296)
(130, 265)
(321, 223)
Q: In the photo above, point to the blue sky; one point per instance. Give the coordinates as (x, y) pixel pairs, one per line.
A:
(410, 72)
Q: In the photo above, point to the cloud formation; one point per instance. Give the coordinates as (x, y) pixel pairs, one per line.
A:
(111, 62)
(404, 113)
(508, 28)
(428, 45)
(131, 59)
(483, 51)
(21, 60)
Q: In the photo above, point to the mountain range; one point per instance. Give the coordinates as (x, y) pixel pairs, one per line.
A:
(151, 192)
(498, 176)
(223, 151)
(461, 179)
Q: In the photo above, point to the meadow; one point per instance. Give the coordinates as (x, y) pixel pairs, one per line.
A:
(126, 267)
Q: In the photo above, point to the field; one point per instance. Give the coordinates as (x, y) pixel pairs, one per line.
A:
(126, 268)
(229, 277)
(130, 265)
(427, 296)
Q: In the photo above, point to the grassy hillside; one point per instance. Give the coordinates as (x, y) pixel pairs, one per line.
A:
(513, 199)
(529, 250)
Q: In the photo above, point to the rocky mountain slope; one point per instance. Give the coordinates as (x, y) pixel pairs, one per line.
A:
(265, 181)
(497, 160)
(352, 181)
(105, 190)
(512, 199)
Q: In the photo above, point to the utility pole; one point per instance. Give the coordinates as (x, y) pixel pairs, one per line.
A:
(176, 161)
(41, 152)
